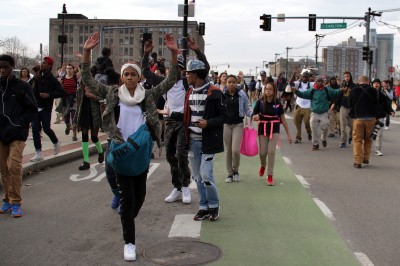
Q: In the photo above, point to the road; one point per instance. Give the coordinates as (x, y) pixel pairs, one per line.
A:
(68, 220)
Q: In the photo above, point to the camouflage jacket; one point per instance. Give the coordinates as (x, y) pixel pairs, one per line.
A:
(110, 93)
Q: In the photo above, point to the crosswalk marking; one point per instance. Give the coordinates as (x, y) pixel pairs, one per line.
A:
(185, 226)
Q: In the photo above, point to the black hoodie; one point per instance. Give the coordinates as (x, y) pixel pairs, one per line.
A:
(17, 109)
(47, 83)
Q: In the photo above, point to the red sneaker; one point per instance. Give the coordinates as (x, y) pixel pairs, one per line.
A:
(261, 171)
(270, 180)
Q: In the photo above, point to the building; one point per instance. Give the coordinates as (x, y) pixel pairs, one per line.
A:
(346, 56)
(123, 37)
(382, 45)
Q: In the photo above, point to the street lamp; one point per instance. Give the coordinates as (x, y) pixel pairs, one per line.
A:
(62, 38)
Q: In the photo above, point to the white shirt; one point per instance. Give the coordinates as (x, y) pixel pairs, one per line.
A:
(303, 103)
(176, 98)
(130, 119)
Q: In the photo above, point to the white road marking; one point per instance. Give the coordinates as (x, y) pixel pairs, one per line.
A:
(153, 167)
(303, 181)
(325, 210)
(185, 226)
(287, 160)
(363, 259)
(93, 173)
(392, 121)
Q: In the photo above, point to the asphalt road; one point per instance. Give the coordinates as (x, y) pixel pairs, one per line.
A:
(68, 220)
(363, 201)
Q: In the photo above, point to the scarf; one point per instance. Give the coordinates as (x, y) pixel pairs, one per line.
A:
(126, 98)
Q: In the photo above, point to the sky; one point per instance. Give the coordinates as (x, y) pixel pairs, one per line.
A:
(232, 36)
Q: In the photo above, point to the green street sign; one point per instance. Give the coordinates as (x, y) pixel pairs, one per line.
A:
(328, 26)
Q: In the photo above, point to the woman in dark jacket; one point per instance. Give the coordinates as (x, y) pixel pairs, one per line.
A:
(88, 118)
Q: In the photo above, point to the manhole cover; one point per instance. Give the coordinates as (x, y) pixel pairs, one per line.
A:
(182, 252)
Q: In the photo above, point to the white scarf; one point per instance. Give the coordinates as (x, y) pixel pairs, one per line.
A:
(126, 98)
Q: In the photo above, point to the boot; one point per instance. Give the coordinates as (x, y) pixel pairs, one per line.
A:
(38, 157)
(67, 129)
(74, 138)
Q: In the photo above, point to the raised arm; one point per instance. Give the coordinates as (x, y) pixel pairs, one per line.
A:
(96, 87)
(150, 76)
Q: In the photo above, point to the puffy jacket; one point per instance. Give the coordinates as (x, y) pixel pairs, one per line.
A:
(17, 109)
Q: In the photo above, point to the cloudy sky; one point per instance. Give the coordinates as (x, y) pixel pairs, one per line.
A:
(232, 32)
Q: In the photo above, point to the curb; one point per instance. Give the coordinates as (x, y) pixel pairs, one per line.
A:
(62, 157)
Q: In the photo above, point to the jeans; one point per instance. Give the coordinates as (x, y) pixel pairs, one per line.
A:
(202, 172)
(42, 119)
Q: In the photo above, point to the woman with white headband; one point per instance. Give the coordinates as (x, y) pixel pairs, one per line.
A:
(127, 99)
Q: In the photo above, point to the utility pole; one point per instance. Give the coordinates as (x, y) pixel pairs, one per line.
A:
(276, 55)
(185, 34)
(287, 61)
(63, 38)
(317, 37)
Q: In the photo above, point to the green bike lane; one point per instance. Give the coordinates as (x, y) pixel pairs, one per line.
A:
(278, 225)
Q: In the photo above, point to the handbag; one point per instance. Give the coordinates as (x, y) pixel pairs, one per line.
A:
(249, 146)
(132, 157)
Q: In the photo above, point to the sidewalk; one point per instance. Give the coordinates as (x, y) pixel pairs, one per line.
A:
(70, 150)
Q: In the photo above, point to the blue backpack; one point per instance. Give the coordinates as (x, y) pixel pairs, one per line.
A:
(132, 157)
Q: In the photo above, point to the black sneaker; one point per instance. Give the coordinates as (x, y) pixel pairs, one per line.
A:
(84, 166)
(100, 159)
(201, 215)
(309, 137)
(214, 214)
(350, 140)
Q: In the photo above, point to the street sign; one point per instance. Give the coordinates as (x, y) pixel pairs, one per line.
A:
(327, 26)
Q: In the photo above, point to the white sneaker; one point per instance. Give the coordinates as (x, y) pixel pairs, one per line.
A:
(379, 153)
(186, 197)
(236, 177)
(38, 157)
(57, 147)
(129, 252)
(174, 196)
(229, 179)
(386, 128)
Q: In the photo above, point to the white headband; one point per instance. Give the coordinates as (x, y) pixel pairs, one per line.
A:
(136, 67)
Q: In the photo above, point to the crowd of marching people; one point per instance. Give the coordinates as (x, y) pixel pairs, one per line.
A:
(180, 107)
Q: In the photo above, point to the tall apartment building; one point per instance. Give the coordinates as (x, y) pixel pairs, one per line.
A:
(125, 42)
(346, 56)
(382, 44)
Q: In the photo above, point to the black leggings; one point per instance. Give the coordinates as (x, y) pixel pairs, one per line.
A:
(94, 134)
(133, 193)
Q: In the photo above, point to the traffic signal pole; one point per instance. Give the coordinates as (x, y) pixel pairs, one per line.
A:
(266, 26)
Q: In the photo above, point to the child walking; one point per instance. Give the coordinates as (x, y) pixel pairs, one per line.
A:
(270, 114)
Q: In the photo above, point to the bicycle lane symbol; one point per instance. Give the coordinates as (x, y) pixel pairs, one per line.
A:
(97, 177)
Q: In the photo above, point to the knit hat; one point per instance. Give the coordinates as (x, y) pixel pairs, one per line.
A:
(134, 66)
(8, 58)
(49, 61)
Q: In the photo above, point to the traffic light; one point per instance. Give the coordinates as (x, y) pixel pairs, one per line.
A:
(202, 28)
(312, 22)
(266, 26)
(365, 53)
(370, 57)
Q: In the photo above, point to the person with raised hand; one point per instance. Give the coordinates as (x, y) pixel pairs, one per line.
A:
(128, 98)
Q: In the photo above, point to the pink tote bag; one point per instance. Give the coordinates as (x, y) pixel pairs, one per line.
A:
(249, 146)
